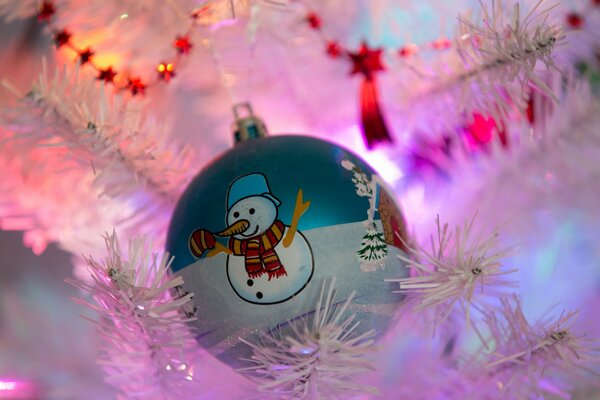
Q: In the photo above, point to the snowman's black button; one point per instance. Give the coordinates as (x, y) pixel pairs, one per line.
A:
(259, 295)
(250, 282)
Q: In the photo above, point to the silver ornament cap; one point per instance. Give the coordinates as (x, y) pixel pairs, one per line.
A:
(247, 125)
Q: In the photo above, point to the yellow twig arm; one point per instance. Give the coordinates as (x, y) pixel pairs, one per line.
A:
(299, 209)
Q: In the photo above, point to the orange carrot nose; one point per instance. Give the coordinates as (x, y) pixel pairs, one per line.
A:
(237, 227)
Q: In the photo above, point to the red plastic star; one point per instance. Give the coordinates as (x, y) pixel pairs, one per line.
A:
(47, 10)
(313, 20)
(107, 75)
(575, 20)
(182, 44)
(85, 56)
(62, 37)
(366, 61)
(136, 86)
(334, 50)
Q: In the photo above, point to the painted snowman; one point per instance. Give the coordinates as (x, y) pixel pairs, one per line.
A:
(267, 261)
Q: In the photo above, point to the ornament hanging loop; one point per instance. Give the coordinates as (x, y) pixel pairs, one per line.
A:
(247, 125)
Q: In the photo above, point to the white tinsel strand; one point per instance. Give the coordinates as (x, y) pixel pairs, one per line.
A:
(318, 359)
(524, 360)
(149, 351)
(459, 269)
(12, 10)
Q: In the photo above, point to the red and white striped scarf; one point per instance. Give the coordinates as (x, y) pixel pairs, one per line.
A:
(259, 252)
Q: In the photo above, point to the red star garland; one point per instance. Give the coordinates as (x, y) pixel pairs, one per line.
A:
(166, 70)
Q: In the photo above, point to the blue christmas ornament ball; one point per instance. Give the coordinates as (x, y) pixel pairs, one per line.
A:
(259, 229)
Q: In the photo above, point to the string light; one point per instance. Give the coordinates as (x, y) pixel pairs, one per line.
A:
(165, 71)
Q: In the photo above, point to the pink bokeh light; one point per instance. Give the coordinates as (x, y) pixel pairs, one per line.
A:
(18, 389)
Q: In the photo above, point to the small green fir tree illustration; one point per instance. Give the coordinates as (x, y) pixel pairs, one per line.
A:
(373, 249)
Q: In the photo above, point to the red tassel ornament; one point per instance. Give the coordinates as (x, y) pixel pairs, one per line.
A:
(366, 62)
(373, 125)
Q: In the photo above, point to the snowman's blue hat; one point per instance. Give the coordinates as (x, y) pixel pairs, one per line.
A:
(253, 184)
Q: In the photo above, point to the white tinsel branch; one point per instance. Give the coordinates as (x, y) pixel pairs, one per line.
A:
(497, 61)
(551, 166)
(316, 359)
(459, 269)
(12, 10)
(148, 349)
(71, 111)
(501, 54)
(526, 360)
(67, 147)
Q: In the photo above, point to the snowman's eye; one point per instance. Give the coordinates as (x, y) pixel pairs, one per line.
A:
(236, 214)
(251, 211)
